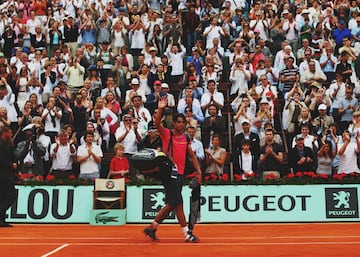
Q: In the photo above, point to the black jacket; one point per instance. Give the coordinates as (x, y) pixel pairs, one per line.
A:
(6, 161)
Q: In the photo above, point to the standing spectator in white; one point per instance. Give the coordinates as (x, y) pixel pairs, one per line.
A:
(211, 32)
(212, 97)
(62, 153)
(239, 78)
(89, 157)
(176, 60)
(51, 117)
(348, 153)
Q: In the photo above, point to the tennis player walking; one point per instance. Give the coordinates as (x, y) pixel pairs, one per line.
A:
(173, 184)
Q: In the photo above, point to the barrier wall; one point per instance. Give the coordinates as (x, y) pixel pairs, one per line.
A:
(292, 203)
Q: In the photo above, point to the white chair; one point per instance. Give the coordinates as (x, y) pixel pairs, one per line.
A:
(109, 193)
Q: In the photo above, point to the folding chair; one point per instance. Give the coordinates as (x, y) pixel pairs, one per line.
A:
(109, 193)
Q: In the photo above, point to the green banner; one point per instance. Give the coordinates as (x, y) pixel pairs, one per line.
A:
(292, 203)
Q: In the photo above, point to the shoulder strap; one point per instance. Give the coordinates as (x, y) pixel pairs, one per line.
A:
(170, 145)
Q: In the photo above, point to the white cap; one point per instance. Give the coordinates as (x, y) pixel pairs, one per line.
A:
(135, 81)
(245, 121)
(164, 85)
(322, 107)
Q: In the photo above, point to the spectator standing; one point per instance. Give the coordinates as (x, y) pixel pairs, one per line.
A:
(271, 154)
(215, 157)
(326, 156)
(89, 157)
(62, 154)
(347, 107)
(301, 158)
(347, 151)
(119, 165)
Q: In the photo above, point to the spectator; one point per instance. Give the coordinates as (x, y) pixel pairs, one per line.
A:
(289, 75)
(212, 96)
(239, 78)
(129, 136)
(151, 139)
(327, 63)
(301, 158)
(215, 157)
(89, 157)
(196, 145)
(247, 135)
(347, 151)
(213, 124)
(62, 153)
(51, 117)
(323, 121)
(271, 155)
(326, 156)
(119, 165)
(30, 152)
(245, 162)
(347, 107)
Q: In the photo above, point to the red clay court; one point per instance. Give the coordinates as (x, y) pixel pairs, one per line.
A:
(265, 239)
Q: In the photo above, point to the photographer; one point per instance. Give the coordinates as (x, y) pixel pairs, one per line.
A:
(30, 151)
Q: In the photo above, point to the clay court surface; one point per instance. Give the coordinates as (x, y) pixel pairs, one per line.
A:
(296, 239)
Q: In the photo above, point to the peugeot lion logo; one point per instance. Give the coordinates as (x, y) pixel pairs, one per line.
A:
(158, 198)
(343, 199)
(341, 202)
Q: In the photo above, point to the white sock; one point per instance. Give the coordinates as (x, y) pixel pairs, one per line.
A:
(185, 230)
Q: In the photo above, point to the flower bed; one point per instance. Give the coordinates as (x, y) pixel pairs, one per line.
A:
(299, 178)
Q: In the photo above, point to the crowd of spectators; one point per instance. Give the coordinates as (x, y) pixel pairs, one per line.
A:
(79, 76)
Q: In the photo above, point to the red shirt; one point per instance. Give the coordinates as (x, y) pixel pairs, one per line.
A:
(118, 164)
(178, 153)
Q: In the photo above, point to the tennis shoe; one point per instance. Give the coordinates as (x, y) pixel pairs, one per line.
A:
(150, 233)
(191, 238)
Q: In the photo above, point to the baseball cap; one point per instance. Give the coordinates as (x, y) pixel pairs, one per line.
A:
(245, 121)
(164, 85)
(152, 49)
(157, 83)
(315, 84)
(194, 49)
(341, 22)
(135, 81)
(299, 136)
(322, 107)
(192, 78)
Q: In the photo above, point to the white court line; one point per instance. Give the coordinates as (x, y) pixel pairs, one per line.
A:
(208, 238)
(177, 244)
(55, 250)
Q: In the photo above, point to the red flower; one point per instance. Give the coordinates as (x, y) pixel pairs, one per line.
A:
(72, 177)
(298, 174)
(50, 177)
(237, 177)
(214, 177)
(325, 176)
(224, 177)
(270, 176)
(291, 175)
(190, 176)
(39, 178)
(127, 180)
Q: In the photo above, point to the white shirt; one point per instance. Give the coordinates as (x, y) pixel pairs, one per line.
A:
(348, 159)
(63, 157)
(215, 32)
(205, 99)
(90, 165)
(176, 60)
(129, 142)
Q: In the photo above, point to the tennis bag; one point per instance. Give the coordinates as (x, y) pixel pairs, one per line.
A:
(151, 162)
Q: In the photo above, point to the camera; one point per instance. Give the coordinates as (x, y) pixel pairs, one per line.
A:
(328, 132)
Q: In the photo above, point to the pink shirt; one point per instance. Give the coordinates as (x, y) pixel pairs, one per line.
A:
(178, 153)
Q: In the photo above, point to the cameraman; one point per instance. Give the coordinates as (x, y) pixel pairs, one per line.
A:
(30, 152)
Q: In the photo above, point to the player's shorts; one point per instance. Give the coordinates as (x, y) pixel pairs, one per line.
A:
(173, 188)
